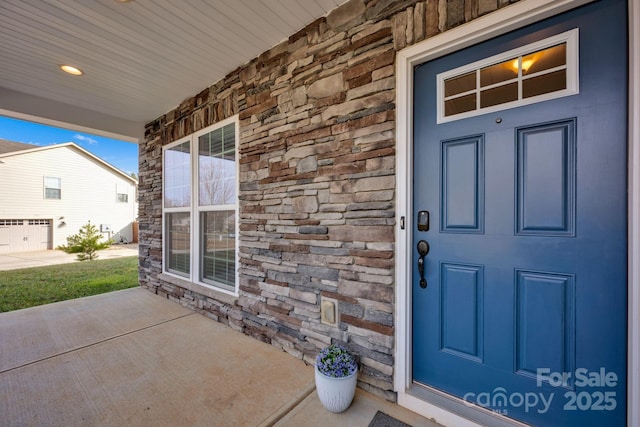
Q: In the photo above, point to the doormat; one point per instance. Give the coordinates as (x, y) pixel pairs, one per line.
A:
(383, 420)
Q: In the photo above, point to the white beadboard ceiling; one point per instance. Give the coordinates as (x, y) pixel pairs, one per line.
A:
(141, 58)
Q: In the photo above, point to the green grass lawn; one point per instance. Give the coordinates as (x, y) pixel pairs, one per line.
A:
(29, 287)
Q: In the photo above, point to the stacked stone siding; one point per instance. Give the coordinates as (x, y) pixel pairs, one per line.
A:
(317, 181)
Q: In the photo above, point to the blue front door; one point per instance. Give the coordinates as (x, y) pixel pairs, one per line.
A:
(522, 309)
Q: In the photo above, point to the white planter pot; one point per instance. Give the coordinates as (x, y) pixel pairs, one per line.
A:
(336, 394)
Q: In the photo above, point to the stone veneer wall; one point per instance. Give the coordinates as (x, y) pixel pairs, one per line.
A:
(317, 181)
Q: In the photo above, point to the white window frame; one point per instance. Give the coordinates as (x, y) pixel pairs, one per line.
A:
(45, 187)
(570, 38)
(195, 209)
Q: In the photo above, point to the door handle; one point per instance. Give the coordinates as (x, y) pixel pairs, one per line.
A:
(423, 250)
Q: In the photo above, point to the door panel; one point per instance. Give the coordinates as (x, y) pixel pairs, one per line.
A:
(461, 310)
(545, 176)
(462, 177)
(526, 273)
(545, 307)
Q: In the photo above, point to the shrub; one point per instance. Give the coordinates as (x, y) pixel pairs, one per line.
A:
(86, 243)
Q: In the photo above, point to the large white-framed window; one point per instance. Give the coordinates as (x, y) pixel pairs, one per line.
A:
(200, 207)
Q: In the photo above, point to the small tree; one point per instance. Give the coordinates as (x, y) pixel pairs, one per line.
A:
(86, 243)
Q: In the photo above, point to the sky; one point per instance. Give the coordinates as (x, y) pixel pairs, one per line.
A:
(121, 154)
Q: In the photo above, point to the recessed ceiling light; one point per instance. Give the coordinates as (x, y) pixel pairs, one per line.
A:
(123, 1)
(71, 70)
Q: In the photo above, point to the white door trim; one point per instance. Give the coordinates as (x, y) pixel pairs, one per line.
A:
(489, 26)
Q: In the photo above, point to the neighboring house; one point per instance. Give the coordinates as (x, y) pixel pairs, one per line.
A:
(327, 159)
(49, 192)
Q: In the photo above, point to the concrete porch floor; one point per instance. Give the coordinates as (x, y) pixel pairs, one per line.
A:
(133, 358)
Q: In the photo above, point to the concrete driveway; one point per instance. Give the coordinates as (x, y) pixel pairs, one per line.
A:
(14, 261)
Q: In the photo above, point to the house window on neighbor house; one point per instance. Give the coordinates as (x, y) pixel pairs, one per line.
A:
(122, 196)
(200, 206)
(52, 188)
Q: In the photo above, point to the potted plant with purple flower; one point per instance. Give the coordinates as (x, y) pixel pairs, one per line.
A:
(336, 377)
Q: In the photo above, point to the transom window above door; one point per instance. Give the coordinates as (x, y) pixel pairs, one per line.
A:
(540, 71)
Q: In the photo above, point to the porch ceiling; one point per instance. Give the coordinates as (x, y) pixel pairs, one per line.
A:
(141, 58)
